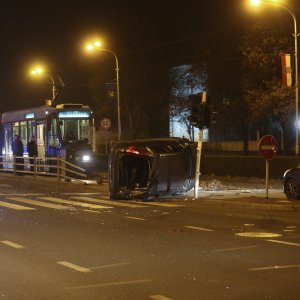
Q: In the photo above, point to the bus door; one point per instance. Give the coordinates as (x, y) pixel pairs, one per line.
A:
(8, 140)
(40, 131)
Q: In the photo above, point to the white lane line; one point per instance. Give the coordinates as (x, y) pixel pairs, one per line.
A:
(75, 203)
(159, 297)
(92, 211)
(134, 218)
(22, 195)
(13, 245)
(15, 206)
(274, 268)
(161, 204)
(38, 203)
(74, 267)
(283, 242)
(234, 249)
(115, 203)
(110, 266)
(107, 284)
(198, 228)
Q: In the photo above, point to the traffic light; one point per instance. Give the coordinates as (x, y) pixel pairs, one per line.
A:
(200, 113)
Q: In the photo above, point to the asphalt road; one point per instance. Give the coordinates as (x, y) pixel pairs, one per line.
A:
(76, 244)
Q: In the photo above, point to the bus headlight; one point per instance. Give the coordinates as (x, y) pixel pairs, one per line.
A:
(86, 158)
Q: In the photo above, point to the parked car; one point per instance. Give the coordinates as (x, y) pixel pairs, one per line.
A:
(291, 183)
(151, 168)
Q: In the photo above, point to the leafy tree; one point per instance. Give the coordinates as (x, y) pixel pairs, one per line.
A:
(269, 104)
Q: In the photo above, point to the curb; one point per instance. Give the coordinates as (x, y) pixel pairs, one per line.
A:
(250, 205)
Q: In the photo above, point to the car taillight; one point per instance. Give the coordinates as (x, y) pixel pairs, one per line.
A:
(132, 150)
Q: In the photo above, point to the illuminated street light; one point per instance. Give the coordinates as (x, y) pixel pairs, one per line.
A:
(278, 3)
(97, 45)
(39, 71)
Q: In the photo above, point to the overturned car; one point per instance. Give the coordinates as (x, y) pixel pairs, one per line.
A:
(151, 168)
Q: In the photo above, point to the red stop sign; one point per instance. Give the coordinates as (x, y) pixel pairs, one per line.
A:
(267, 147)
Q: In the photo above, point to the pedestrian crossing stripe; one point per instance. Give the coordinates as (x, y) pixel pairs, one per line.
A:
(38, 203)
(75, 203)
(15, 206)
(115, 203)
(162, 204)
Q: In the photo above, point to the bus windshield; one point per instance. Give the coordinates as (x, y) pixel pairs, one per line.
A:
(75, 130)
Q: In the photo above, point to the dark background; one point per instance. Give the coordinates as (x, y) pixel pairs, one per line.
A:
(149, 37)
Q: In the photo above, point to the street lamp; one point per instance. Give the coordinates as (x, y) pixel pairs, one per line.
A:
(39, 71)
(278, 3)
(96, 45)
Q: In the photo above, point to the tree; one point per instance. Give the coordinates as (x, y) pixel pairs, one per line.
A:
(269, 104)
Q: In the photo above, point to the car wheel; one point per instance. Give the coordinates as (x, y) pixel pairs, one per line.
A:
(291, 189)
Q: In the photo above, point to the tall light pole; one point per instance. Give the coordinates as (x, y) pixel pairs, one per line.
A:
(97, 46)
(38, 71)
(277, 3)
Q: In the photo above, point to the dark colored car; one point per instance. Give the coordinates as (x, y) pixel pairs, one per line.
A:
(291, 181)
(151, 168)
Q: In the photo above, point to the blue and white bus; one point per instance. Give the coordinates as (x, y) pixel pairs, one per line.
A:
(66, 130)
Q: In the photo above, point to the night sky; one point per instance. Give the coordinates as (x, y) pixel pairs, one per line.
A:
(53, 31)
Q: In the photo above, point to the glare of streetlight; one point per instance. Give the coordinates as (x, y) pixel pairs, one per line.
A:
(255, 2)
(259, 2)
(37, 70)
(40, 71)
(96, 44)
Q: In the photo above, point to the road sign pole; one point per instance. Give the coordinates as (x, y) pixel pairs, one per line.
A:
(267, 149)
(267, 178)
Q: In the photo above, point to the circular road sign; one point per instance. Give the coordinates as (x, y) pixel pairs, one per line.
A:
(267, 147)
(105, 123)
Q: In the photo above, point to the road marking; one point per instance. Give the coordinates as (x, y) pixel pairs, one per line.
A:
(135, 218)
(274, 268)
(283, 242)
(38, 203)
(13, 245)
(198, 228)
(74, 267)
(92, 211)
(110, 266)
(116, 203)
(161, 204)
(23, 195)
(75, 203)
(234, 249)
(15, 206)
(159, 297)
(107, 284)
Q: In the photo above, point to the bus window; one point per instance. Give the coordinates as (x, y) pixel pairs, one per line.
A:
(84, 129)
(31, 129)
(53, 133)
(16, 129)
(75, 129)
(23, 132)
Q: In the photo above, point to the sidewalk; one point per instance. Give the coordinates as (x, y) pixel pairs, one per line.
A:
(251, 200)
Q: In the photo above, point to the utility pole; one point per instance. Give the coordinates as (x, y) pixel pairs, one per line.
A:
(199, 150)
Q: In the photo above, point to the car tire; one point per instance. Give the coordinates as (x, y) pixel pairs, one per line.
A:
(291, 189)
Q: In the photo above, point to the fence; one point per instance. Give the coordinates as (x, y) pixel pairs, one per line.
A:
(50, 166)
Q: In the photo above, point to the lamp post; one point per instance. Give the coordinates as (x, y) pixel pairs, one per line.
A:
(38, 71)
(277, 3)
(97, 46)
